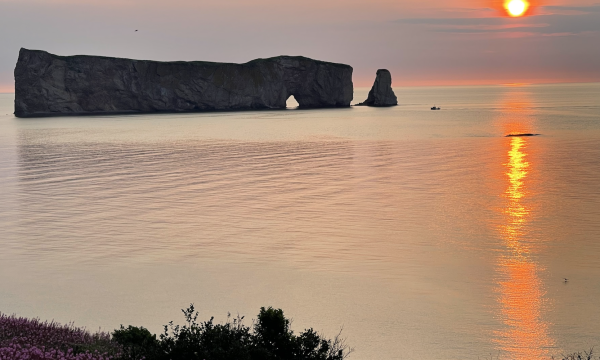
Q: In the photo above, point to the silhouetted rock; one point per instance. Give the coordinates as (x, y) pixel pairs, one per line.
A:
(47, 84)
(521, 135)
(381, 93)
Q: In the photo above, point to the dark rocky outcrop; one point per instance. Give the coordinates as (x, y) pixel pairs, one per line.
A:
(521, 135)
(381, 93)
(47, 84)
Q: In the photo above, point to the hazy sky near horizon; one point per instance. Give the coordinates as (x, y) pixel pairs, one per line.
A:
(431, 42)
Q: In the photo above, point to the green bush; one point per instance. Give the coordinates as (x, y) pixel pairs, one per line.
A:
(271, 338)
(137, 342)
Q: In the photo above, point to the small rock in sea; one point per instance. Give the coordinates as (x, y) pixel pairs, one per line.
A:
(381, 93)
(520, 135)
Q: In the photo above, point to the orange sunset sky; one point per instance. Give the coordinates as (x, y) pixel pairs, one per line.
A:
(434, 42)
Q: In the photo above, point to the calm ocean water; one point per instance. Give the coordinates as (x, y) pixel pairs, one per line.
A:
(425, 234)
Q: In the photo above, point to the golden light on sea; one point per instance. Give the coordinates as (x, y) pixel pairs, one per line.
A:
(526, 333)
(516, 8)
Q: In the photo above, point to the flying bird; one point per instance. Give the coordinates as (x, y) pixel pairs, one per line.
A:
(566, 280)
(136, 30)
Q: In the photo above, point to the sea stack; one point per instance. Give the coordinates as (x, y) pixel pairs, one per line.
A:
(381, 93)
(52, 85)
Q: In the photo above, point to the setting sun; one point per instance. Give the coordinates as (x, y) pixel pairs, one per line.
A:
(516, 8)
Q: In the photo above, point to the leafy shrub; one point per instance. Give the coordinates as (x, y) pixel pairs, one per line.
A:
(137, 342)
(206, 340)
(275, 340)
(270, 338)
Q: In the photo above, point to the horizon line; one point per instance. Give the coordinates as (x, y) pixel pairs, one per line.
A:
(551, 82)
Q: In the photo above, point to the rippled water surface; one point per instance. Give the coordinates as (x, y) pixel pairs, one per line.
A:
(425, 234)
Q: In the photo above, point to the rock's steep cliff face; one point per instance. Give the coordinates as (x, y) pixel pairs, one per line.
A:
(381, 93)
(47, 84)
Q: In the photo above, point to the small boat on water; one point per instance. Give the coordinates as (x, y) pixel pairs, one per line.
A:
(436, 108)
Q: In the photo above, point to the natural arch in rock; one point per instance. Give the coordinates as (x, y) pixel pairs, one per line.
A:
(291, 102)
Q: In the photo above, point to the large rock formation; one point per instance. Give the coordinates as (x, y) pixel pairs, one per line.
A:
(47, 84)
(381, 93)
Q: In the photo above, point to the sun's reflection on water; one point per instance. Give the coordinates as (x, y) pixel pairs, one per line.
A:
(525, 334)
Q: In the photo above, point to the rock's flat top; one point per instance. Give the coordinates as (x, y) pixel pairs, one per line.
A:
(381, 93)
(47, 85)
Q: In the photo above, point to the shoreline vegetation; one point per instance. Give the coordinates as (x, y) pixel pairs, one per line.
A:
(269, 337)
